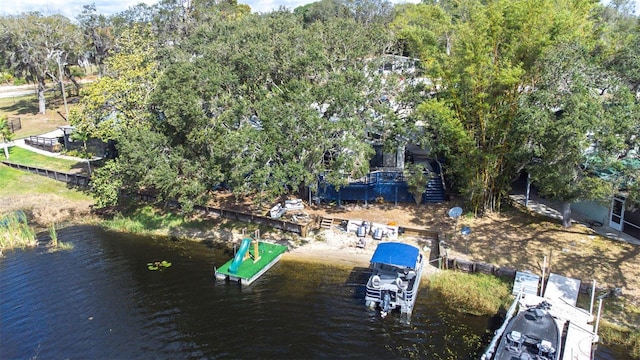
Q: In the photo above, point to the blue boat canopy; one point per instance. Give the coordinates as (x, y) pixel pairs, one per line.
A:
(396, 254)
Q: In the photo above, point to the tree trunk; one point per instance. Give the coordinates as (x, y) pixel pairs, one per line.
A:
(41, 101)
(67, 73)
(566, 214)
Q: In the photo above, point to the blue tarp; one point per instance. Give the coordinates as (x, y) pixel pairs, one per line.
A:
(396, 254)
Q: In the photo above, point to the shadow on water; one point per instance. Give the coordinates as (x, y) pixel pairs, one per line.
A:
(100, 301)
(357, 279)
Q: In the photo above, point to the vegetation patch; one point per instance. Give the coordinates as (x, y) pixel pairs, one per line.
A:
(56, 245)
(29, 158)
(14, 183)
(620, 335)
(158, 265)
(15, 232)
(151, 220)
(476, 294)
(45, 200)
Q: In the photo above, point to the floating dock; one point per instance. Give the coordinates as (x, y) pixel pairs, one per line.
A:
(252, 259)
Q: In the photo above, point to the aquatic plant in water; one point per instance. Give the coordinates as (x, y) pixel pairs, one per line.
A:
(158, 265)
(15, 231)
(55, 244)
(53, 235)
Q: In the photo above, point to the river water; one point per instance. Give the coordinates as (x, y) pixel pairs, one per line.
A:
(99, 301)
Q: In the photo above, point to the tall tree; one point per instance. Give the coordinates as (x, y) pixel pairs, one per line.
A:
(120, 99)
(37, 46)
(494, 47)
(322, 10)
(98, 35)
(619, 46)
(116, 108)
(581, 121)
(265, 105)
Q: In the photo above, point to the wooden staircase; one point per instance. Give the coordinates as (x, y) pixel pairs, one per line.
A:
(326, 223)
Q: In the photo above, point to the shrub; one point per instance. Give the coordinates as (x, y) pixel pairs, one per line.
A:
(6, 78)
(77, 71)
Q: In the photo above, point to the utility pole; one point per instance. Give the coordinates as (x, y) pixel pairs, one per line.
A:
(64, 96)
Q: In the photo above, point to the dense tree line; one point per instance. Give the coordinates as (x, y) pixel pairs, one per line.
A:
(200, 94)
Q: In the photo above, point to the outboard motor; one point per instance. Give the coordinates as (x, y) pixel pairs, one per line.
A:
(386, 304)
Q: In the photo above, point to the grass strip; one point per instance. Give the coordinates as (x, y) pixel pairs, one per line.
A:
(22, 156)
(476, 294)
(18, 182)
(611, 333)
(150, 220)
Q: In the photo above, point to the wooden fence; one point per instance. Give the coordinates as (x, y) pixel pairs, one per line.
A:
(83, 181)
(71, 179)
(299, 228)
(49, 144)
(504, 272)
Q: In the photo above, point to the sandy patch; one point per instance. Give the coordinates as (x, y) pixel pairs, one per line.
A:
(340, 248)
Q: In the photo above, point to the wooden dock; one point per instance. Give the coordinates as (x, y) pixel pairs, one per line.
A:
(579, 335)
(252, 267)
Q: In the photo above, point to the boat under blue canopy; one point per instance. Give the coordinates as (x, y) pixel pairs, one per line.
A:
(396, 254)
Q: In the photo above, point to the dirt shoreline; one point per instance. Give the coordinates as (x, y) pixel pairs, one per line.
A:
(513, 238)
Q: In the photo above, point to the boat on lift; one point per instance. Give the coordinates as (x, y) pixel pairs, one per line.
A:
(397, 270)
(532, 334)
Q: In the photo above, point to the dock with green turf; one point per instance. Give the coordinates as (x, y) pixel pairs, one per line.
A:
(248, 267)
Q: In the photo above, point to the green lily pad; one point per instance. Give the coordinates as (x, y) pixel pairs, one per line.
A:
(158, 265)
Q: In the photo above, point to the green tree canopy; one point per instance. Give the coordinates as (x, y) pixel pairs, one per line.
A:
(493, 49)
(36, 46)
(120, 99)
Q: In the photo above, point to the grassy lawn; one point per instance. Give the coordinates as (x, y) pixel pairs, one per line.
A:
(14, 180)
(45, 200)
(26, 108)
(25, 157)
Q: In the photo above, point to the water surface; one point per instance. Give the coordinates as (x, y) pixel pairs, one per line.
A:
(99, 301)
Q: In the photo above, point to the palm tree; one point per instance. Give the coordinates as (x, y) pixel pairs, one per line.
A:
(5, 133)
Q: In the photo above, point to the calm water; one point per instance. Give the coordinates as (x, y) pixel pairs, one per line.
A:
(99, 301)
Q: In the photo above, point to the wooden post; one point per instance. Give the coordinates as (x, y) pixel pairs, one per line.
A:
(593, 294)
(256, 251)
(544, 268)
(256, 246)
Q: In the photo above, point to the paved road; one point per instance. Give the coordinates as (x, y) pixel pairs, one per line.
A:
(16, 93)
